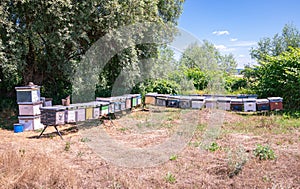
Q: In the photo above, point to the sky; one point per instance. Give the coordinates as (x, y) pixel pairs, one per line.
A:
(234, 26)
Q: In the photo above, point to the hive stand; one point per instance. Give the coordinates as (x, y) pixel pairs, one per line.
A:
(55, 126)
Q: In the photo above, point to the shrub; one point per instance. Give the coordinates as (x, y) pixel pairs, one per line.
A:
(264, 152)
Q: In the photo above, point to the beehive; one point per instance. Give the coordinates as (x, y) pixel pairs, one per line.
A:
(161, 101)
(28, 93)
(70, 114)
(211, 103)
(275, 103)
(150, 98)
(236, 104)
(54, 115)
(29, 108)
(262, 105)
(249, 105)
(173, 102)
(223, 103)
(197, 102)
(184, 102)
(30, 122)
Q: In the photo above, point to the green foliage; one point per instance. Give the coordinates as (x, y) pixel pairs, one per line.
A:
(290, 37)
(199, 78)
(213, 147)
(264, 152)
(170, 178)
(206, 57)
(44, 41)
(68, 146)
(173, 157)
(280, 76)
(233, 83)
(163, 86)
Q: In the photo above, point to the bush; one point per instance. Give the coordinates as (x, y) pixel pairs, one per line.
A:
(200, 79)
(233, 83)
(163, 86)
(264, 152)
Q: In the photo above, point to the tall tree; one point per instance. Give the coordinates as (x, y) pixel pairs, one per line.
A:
(290, 37)
(43, 41)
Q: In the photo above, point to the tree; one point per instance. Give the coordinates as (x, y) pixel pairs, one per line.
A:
(280, 76)
(43, 41)
(290, 37)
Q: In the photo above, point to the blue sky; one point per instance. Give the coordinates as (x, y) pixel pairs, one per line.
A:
(234, 26)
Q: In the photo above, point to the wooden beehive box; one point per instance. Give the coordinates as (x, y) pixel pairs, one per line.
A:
(53, 115)
(29, 108)
(28, 93)
(223, 103)
(31, 122)
(275, 103)
(150, 98)
(197, 102)
(236, 104)
(185, 102)
(211, 103)
(262, 105)
(173, 102)
(249, 104)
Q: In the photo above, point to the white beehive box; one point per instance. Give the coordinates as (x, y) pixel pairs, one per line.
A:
(223, 103)
(197, 102)
(211, 103)
(249, 104)
(29, 108)
(31, 122)
(28, 93)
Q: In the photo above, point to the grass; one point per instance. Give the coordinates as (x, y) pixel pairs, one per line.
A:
(170, 178)
(261, 124)
(28, 170)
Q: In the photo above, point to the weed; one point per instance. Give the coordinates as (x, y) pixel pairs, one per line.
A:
(173, 157)
(123, 129)
(264, 152)
(194, 144)
(85, 139)
(170, 178)
(213, 147)
(67, 146)
(201, 127)
(236, 160)
(80, 153)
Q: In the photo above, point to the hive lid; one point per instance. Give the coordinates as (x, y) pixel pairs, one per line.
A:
(223, 99)
(249, 100)
(53, 108)
(237, 100)
(30, 103)
(262, 101)
(29, 117)
(275, 99)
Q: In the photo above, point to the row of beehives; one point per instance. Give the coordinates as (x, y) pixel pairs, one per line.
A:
(224, 103)
(58, 115)
(34, 109)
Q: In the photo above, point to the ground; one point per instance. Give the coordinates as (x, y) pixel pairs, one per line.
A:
(221, 159)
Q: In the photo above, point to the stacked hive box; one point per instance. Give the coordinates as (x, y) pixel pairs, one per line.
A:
(28, 99)
(53, 115)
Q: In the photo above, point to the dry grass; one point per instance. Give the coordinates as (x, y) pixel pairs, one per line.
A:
(27, 162)
(20, 169)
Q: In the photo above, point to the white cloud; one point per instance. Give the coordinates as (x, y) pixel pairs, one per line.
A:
(220, 47)
(223, 48)
(221, 32)
(244, 44)
(233, 39)
(241, 55)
